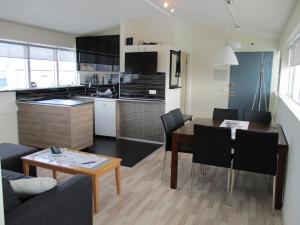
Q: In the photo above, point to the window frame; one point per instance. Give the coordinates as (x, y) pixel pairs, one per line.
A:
(292, 76)
(56, 60)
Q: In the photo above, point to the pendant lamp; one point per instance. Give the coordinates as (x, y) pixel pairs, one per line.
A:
(226, 56)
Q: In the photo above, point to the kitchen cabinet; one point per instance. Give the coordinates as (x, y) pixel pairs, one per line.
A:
(105, 117)
(98, 53)
(60, 122)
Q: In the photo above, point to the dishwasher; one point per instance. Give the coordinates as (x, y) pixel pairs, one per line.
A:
(105, 117)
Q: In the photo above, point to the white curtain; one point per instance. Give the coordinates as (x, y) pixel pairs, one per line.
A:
(67, 55)
(42, 53)
(295, 53)
(12, 50)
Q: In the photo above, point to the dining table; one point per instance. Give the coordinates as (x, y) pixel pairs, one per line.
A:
(185, 135)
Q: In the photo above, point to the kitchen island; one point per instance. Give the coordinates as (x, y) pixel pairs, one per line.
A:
(56, 122)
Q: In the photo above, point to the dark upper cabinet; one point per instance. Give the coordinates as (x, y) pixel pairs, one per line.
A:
(100, 52)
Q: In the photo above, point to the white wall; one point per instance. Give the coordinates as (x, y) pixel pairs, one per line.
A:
(289, 117)
(209, 91)
(19, 32)
(205, 91)
(292, 28)
(8, 118)
(154, 30)
(1, 201)
(24, 33)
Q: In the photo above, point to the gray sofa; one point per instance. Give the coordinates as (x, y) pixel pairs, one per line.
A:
(11, 154)
(69, 203)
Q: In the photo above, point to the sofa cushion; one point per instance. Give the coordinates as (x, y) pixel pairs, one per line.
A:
(33, 186)
(8, 150)
(11, 154)
(10, 198)
(11, 175)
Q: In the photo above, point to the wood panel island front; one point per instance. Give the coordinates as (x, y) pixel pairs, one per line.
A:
(56, 122)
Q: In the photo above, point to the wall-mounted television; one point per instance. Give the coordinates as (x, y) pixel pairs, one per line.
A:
(141, 63)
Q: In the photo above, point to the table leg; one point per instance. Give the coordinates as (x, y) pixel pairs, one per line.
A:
(26, 168)
(118, 178)
(174, 162)
(54, 173)
(281, 166)
(96, 193)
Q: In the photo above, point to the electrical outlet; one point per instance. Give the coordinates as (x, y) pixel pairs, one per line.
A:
(152, 92)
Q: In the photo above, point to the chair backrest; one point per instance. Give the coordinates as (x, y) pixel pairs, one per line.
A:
(169, 126)
(177, 116)
(225, 114)
(212, 146)
(255, 151)
(259, 117)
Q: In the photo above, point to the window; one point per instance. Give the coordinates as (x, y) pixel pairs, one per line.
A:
(13, 67)
(42, 67)
(294, 77)
(67, 68)
(24, 66)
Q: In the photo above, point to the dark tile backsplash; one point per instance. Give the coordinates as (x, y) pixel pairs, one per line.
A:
(65, 93)
(137, 86)
(49, 93)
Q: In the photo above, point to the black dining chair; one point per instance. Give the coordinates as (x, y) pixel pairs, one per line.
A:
(170, 126)
(255, 152)
(178, 117)
(213, 147)
(225, 114)
(258, 117)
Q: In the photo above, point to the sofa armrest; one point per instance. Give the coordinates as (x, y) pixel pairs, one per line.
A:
(70, 203)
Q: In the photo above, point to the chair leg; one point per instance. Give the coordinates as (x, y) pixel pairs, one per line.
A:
(274, 189)
(236, 178)
(270, 185)
(164, 165)
(228, 186)
(198, 174)
(203, 169)
(231, 188)
(192, 173)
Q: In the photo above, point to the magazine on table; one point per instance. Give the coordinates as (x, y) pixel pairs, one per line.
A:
(74, 158)
(235, 124)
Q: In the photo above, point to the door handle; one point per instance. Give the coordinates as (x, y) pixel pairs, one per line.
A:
(232, 95)
(232, 84)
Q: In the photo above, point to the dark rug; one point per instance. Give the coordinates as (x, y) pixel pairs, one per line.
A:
(131, 152)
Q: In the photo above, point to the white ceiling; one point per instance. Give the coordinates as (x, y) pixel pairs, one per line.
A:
(258, 17)
(74, 16)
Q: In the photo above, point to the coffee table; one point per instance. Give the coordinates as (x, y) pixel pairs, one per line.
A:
(95, 173)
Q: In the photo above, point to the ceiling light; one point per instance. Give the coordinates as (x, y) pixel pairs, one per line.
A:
(172, 10)
(166, 5)
(236, 44)
(226, 56)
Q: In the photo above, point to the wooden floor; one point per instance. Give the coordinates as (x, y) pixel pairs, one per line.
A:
(147, 200)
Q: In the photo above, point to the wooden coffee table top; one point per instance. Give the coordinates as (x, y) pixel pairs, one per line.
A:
(34, 160)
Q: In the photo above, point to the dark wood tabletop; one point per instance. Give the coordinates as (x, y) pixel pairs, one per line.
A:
(185, 134)
(188, 128)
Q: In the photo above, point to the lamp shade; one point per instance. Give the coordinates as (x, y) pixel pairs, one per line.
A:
(226, 56)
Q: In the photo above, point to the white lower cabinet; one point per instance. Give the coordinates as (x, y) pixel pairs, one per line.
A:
(105, 117)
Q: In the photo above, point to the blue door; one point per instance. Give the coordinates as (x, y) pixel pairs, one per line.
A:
(244, 80)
